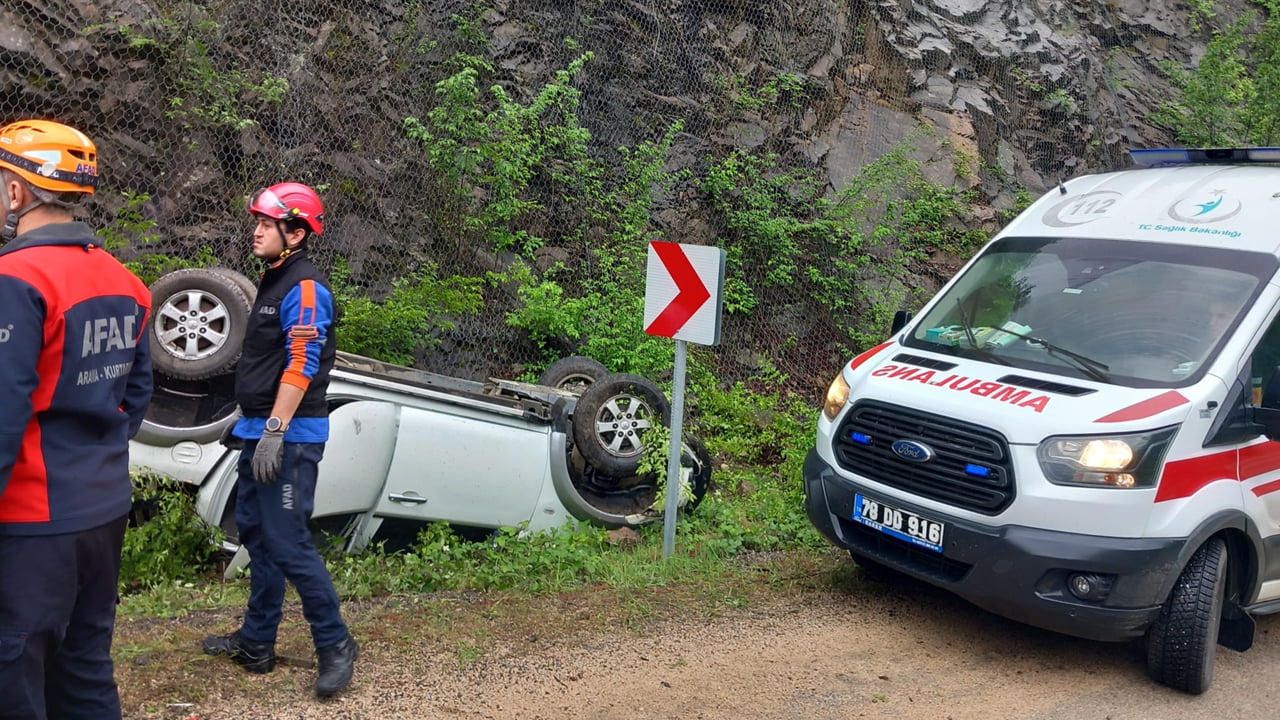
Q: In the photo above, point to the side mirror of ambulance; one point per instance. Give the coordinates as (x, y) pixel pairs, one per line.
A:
(900, 320)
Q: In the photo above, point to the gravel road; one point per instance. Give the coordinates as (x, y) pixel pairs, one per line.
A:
(871, 651)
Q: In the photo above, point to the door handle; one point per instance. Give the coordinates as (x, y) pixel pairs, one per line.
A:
(407, 497)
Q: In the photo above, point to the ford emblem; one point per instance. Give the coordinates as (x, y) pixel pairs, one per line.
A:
(912, 450)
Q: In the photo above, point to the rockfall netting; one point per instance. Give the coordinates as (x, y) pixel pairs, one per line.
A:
(502, 165)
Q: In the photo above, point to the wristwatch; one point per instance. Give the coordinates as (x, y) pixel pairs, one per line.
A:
(275, 424)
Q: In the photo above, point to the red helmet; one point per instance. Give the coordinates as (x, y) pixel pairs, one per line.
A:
(286, 201)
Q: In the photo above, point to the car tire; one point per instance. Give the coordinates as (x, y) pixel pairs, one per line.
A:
(573, 374)
(1183, 641)
(700, 478)
(247, 286)
(197, 323)
(609, 420)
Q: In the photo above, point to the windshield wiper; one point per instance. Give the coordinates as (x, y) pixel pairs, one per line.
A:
(1087, 365)
(973, 343)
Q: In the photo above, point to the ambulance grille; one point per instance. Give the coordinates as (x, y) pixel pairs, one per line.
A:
(969, 468)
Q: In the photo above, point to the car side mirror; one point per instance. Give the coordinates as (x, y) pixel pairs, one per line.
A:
(900, 320)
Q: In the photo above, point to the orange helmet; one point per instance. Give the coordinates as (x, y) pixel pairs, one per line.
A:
(50, 155)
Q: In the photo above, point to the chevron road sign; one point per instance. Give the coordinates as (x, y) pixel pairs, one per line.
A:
(682, 293)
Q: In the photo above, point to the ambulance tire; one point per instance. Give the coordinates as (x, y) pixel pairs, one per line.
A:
(1183, 641)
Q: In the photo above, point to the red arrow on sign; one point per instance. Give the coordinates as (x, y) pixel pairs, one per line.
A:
(692, 294)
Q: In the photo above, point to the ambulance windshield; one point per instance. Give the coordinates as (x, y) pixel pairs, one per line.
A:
(1130, 313)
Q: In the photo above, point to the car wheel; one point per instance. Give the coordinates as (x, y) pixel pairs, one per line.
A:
(247, 286)
(573, 374)
(197, 324)
(616, 502)
(610, 418)
(700, 478)
(1183, 641)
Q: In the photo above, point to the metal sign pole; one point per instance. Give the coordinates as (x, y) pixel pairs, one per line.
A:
(673, 463)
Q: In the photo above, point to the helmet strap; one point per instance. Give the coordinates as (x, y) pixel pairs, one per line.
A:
(10, 229)
(285, 251)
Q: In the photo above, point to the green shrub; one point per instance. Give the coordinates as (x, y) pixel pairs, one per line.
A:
(166, 541)
(409, 320)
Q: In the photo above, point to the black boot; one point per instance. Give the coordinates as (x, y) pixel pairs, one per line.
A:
(255, 657)
(336, 666)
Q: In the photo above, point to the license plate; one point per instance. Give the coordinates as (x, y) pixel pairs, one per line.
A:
(902, 524)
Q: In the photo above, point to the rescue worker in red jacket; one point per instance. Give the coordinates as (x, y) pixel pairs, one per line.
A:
(75, 386)
(281, 382)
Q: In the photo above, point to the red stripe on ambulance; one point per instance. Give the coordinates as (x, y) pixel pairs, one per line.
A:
(1184, 478)
(1146, 408)
(853, 364)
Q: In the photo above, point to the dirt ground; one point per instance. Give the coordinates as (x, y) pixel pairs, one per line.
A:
(845, 649)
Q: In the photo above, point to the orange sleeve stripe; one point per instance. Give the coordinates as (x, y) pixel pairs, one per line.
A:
(296, 379)
(307, 303)
(298, 346)
(297, 356)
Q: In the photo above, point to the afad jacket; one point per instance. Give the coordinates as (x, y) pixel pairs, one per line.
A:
(75, 384)
(289, 339)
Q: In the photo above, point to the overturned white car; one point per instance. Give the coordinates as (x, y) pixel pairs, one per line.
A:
(406, 447)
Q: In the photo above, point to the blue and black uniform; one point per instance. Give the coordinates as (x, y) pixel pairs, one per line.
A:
(289, 339)
(75, 386)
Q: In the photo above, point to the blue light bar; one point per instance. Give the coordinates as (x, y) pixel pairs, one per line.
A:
(977, 470)
(862, 438)
(1161, 157)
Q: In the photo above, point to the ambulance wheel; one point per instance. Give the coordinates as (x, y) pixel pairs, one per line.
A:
(1183, 641)
(610, 419)
(197, 324)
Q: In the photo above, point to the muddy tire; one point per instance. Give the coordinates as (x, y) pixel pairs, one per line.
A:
(573, 374)
(197, 326)
(610, 418)
(700, 477)
(247, 285)
(1183, 641)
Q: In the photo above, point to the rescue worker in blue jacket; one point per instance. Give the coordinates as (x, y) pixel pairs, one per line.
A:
(281, 382)
(74, 388)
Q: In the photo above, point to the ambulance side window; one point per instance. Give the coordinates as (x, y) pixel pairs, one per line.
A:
(1233, 424)
(1263, 362)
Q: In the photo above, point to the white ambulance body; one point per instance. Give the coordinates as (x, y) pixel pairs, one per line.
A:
(1074, 433)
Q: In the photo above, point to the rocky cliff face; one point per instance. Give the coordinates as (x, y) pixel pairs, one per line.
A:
(193, 103)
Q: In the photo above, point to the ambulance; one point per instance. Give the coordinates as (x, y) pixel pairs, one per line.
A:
(1078, 431)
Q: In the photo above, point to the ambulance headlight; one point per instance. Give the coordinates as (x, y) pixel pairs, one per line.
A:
(837, 396)
(1120, 461)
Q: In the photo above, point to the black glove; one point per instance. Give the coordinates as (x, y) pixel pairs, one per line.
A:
(268, 456)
